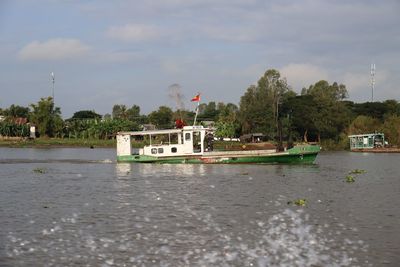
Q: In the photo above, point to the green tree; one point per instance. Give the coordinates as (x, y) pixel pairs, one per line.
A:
(227, 123)
(46, 117)
(208, 111)
(301, 112)
(119, 112)
(332, 115)
(391, 129)
(15, 111)
(364, 124)
(86, 114)
(133, 113)
(392, 107)
(162, 118)
(225, 129)
(259, 106)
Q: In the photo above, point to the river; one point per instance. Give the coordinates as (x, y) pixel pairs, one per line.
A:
(78, 207)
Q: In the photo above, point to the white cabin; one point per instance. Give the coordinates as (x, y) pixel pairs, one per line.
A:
(164, 143)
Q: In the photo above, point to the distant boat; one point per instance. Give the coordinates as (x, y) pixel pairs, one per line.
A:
(193, 144)
(372, 142)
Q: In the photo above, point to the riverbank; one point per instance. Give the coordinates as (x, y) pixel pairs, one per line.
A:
(56, 142)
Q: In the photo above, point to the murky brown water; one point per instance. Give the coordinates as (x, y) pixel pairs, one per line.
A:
(80, 208)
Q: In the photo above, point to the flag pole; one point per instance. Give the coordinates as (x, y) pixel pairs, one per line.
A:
(197, 111)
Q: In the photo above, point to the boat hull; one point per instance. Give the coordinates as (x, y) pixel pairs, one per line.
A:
(298, 155)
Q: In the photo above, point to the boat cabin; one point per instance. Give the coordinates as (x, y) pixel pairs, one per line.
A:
(367, 141)
(163, 143)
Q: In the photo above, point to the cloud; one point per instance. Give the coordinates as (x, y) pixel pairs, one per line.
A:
(303, 75)
(134, 32)
(53, 49)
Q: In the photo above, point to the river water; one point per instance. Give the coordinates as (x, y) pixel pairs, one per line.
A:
(78, 207)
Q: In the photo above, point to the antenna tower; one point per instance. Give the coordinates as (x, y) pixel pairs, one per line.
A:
(373, 69)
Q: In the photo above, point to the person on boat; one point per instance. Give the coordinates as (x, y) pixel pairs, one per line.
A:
(210, 141)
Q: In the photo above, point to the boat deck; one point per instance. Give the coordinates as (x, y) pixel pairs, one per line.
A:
(240, 153)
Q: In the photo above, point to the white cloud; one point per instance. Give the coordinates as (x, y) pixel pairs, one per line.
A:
(303, 75)
(53, 49)
(134, 32)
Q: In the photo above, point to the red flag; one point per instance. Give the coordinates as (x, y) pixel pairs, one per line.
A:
(196, 98)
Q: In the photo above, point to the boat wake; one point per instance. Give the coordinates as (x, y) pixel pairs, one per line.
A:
(283, 239)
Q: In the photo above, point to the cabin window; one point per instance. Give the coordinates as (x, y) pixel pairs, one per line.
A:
(160, 150)
(174, 149)
(187, 136)
(154, 151)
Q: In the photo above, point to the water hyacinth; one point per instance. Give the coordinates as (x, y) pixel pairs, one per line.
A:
(39, 170)
(350, 179)
(357, 171)
(298, 202)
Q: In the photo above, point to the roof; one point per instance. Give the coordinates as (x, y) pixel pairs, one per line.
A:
(151, 132)
(362, 135)
(168, 131)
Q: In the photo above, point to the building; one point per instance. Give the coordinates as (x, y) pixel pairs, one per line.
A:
(367, 141)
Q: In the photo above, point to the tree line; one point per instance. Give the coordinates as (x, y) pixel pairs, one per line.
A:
(320, 113)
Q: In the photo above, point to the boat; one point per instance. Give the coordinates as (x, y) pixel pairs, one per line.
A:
(194, 144)
(371, 142)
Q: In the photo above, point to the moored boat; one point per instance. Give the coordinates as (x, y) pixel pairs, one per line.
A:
(193, 144)
(372, 142)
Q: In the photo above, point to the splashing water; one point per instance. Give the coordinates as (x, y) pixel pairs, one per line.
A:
(283, 239)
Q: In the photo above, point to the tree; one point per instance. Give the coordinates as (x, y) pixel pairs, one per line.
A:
(133, 113)
(372, 109)
(259, 106)
(332, 115)
(162, 118)
(15, 111)
(301, 112)
(208, 111)
(46, 117)
(391, 129)
(119, 112)
(364, 124)
(86, 114)
(225, 129)
(392, 107)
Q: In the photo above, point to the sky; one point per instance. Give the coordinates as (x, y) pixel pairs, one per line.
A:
(129, 52)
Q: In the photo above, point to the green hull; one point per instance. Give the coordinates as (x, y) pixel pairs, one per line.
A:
(297, 155)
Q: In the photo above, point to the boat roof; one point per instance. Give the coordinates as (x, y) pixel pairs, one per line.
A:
(152, 132)
(166, 131)
(365, 135)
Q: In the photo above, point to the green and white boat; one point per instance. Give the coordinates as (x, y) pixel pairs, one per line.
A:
(191, 144)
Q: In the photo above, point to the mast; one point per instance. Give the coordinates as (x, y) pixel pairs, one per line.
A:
(373, 69)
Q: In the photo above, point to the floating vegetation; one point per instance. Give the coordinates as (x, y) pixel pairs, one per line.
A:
(298, 202)
(39, 170)
(357, 171)
(350, 179)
